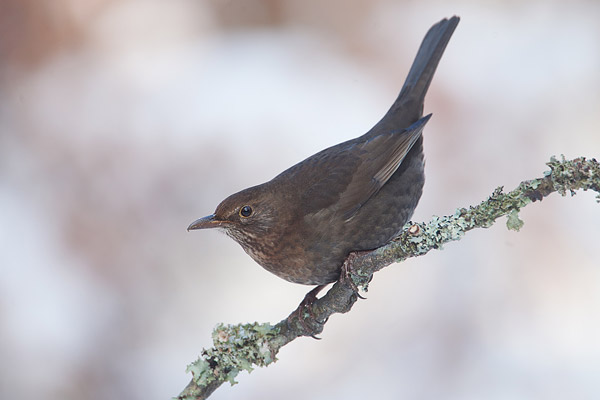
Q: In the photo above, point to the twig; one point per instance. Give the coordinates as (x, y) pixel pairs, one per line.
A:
(243, 346)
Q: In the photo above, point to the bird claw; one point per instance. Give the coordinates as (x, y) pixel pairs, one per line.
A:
(306, 306)
(348, 269)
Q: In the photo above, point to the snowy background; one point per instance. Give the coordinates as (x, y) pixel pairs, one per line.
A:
(122, 121)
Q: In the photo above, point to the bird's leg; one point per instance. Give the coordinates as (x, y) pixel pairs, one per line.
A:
(306, 305)
(348, 269)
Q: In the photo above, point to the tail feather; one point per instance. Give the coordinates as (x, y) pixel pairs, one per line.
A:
(408, 106)
(427, 59)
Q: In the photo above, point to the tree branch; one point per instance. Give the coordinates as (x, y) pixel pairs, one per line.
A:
(240, 347)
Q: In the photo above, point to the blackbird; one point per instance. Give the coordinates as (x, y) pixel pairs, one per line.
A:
(354, 196)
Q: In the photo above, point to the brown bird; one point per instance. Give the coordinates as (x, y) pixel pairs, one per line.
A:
(354, 196)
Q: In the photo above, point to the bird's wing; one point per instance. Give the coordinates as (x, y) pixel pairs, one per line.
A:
(352, 175)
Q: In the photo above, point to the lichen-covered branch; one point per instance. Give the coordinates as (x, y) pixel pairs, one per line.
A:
(244, 346)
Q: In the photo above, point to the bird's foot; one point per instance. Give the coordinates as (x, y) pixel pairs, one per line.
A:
(308, 322)
(348, 270)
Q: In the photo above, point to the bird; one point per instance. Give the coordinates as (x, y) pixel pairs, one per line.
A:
(354, 196)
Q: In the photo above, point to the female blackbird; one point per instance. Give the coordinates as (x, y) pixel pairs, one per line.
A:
(354, 196)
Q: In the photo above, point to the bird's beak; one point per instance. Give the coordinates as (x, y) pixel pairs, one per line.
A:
(209, 221)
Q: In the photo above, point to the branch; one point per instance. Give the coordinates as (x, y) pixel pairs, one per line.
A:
(240, 347)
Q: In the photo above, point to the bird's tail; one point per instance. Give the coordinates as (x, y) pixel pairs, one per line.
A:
(408, 107)
(427, 59)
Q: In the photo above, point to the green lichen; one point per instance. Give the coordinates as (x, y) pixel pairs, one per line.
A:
(236, 348)
(570, 175)
(513, 222)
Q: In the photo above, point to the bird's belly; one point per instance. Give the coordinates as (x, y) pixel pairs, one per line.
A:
(298, 262)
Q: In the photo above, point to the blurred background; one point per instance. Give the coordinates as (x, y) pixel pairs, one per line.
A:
(122, 121)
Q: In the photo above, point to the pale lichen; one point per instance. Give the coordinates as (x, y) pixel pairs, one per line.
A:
(236, 348)
(513, 222)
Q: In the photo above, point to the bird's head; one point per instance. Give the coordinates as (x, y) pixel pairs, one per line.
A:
(249, 216)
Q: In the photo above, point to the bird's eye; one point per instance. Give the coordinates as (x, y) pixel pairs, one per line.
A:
(246, 211)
